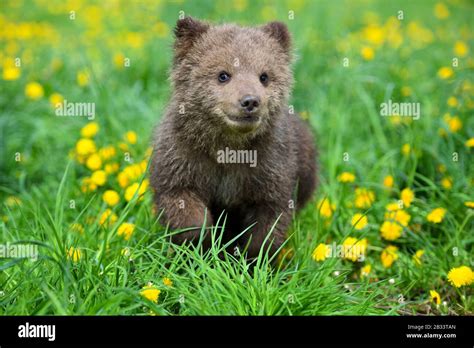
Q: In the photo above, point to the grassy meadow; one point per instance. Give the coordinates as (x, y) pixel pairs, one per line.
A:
(396, 192)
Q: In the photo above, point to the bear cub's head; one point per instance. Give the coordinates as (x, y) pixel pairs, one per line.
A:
(235, 78)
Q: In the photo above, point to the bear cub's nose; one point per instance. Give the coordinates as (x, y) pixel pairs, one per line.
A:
(249, 103)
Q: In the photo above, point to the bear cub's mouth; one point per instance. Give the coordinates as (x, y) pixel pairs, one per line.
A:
(243, 123)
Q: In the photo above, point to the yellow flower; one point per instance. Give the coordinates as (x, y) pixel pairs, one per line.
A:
(445, 72)
(123, 179)
(12, 201)
(136, 188)
(99, 177)
(34, 90)
(321, 252)
(83, 78)
(441, 11)
(85, 147)
(74, 254)
(406, 91)
(87, 185)
(111, 197)
(11, 73)
(436, 215)
(388, 181)
(364, 271)
(469, 204)
(346, 177)
(119, 60)
(150, 293)
(407, 196)
(108, 217)
(167, 281)
(131, 137)
(55, 99)
(461, 49)
(367, 53)
(417, 257)
(406, 149)
(111, 168)
(90, 130)
(435, 298)
(94, 162)
(391, 230)
(359, 221)
(447, 183)
(354, 249)
(364, 198)
(325, 208)
(452, 102)
(470, 142)
(77, 227)
(400, 216)
(126, 230)
(461, 276)
(454, 123)
(389, 256)
(107, 152)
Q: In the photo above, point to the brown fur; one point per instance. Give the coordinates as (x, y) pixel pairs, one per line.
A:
(185, 175)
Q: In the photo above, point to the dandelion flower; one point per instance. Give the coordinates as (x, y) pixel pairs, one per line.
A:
(445, 73)
(447, 183)
(354, 249)
(436, 215)
(111, 168)
(441, 11)
(389, 256)
(461, 49)
(83, 78)
(454, 123)
(469, 204)
(99, 177)
(326, 209)
(388, 181)
(321, 252)
(406, 149)
(461, 276)
(407, 196)
(364, 271)
(85, 147)
(34, 91)
(359, 221)
(346, 177)
(87, 185)
(470, 142)
(11, 73)
(126, 230)
(452, 102)
(77, 227)
(111, 197)
(131, 137)
(364, 198)
(367, 53)
(90, 130)
(167, 282)
(400, 216)
(94, 162)
(435, 298)
(136, 188)
(391, 230)
(108, 217)
(150, 293)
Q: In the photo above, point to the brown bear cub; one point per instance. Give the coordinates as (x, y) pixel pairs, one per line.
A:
(228, 141)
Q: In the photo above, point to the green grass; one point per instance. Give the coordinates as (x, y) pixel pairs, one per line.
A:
(341, 105)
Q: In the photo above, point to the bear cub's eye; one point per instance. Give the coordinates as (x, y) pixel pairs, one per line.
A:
(223, 77)
(264, 79)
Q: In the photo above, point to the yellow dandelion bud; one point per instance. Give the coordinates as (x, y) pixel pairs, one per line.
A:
(445, 73)
(388, 181)
(434, 297)
(447, 183)
(77, 227)
(365, 271)
(406, 149)
(461, 49)
(83, 78)
(167, 282)
(74, 254)
(326, 208)
(131, 137)
(469, 204)
(108, 218)
(417, 257)
(470, 142)
(367, 53)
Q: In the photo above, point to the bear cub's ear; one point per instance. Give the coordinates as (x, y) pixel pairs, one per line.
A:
(279, 31)
(187, 31)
